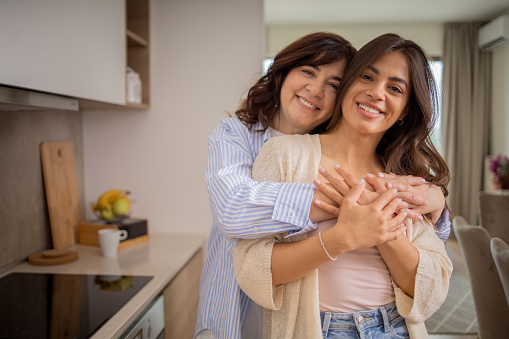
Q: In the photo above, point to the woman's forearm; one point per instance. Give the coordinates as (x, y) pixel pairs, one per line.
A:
(357, 226)
(292, 261)
(317, 214)
(402, 259)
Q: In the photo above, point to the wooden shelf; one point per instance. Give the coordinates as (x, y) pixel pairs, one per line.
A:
(138, 46)
(91, 104)
(134, 40)
(137, 106)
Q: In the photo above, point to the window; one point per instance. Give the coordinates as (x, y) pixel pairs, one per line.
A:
(266, 64)
(437, 68)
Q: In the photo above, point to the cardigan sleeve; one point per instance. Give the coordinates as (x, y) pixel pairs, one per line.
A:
(252, 257)
(251, 261)
(432, 279)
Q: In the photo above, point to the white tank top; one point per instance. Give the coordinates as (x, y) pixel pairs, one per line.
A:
(358, 280)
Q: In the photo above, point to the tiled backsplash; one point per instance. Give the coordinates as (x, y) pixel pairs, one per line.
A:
(24, 221)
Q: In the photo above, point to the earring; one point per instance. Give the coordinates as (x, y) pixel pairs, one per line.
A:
(400, 122)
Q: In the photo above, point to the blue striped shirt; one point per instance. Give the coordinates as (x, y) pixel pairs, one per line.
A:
(242, 208)
(444, 225)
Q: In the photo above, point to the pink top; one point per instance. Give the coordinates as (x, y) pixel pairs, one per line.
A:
(358, 280)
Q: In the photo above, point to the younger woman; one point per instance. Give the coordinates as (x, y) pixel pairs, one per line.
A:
(381, 124)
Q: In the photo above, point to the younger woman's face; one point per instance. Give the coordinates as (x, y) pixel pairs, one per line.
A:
(308, 95)
(378, 98)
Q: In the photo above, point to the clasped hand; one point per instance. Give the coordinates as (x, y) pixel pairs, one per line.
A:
(417, 196)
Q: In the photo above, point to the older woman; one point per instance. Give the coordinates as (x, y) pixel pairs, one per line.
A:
(297, 95)
(374, 288)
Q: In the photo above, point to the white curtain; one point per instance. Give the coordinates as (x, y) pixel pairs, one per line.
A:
(465, 115)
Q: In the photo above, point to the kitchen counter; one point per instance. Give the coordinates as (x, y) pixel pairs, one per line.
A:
(162, 257)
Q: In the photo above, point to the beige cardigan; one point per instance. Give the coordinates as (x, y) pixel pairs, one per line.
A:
(292, 310)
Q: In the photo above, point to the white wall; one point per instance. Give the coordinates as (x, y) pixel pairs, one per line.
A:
(429, 36)
(204, 55)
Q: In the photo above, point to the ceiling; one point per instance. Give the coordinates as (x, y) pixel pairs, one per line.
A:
(337, 12)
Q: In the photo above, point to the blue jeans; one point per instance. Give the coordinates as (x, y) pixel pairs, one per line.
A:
(384, 322)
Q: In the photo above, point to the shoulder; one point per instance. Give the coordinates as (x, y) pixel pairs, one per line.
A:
(293, 144)
(234, 129)
(282, 158)
(232, 124)
(422, 233)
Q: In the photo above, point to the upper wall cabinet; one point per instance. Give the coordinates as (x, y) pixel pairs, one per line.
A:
(73, 48)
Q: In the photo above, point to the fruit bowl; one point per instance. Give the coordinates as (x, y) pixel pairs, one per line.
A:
(115, 220)
(112, 206)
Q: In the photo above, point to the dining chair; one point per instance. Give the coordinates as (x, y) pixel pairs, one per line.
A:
(500, 252)
(491, 308)
(493, 208)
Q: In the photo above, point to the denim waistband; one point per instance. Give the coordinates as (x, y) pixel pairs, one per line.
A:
(359, 320)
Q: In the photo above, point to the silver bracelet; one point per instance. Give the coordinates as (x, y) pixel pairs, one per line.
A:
(323, 246)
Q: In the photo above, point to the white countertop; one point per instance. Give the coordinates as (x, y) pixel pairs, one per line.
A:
(162, 257)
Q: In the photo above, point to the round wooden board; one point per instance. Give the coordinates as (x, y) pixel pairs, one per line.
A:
(53, 257)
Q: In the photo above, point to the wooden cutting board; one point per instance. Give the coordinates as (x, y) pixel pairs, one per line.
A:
(62, 193)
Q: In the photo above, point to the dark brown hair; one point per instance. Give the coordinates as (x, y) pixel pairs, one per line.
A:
(407, 148)
(315, 49)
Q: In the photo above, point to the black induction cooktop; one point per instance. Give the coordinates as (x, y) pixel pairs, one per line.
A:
(37, 305)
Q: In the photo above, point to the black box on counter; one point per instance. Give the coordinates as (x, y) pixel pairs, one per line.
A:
(137, 231)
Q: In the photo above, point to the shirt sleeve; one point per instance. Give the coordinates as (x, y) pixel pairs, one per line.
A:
(242, 207)
(443, 225)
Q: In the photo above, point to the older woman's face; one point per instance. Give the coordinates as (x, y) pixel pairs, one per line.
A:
(378, 98)
(308, 96)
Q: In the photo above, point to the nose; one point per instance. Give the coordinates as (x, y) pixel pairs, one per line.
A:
(316, 88)
(376, 91)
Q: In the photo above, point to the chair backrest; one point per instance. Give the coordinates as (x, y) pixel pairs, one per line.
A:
(500, 252)
(491, 307)
(494, 213)
(459, 220)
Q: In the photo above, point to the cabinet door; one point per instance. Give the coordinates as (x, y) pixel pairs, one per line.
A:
(75, 48)
(181, 298)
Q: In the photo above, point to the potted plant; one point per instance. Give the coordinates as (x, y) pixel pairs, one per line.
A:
(499, 168)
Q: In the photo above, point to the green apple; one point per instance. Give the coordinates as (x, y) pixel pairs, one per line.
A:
(121, 207)
(107, 213)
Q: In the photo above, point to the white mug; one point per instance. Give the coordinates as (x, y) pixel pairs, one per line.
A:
(109, 238)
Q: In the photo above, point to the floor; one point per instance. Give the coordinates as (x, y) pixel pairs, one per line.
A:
(456, 318)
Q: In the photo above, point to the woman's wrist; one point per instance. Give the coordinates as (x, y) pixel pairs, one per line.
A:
(325, 248)
(335, 242)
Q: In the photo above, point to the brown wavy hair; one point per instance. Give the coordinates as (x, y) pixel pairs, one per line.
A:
(315, 49)
(407, 148)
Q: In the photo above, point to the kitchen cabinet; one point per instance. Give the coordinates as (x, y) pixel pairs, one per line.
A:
(71, 48)
(79, 49)
(181, 300)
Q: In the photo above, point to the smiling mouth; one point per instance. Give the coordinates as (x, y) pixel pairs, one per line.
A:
(307, 103)
(369, 109)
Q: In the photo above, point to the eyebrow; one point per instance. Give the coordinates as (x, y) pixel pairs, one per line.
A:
(334, 78)
(377, 72)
